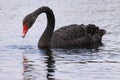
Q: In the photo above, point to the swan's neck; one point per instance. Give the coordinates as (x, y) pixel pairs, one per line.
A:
(45, 39)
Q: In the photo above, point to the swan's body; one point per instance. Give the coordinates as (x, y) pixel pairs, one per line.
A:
(71, 36)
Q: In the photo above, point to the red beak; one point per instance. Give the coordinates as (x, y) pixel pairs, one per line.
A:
(25, 29)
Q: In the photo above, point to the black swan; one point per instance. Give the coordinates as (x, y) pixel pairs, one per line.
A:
(71, 36)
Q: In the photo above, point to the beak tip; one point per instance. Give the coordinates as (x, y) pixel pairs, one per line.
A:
(23, 35)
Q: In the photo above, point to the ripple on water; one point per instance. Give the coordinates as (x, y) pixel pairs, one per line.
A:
(20, 47)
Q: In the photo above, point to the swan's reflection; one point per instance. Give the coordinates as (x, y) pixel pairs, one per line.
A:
(28, 66)
(50, 64)
(27, 69)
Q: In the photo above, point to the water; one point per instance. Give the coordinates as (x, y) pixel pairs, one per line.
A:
(22, 60)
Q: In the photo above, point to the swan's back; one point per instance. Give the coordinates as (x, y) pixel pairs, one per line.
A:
(70, 32)
(71, 36)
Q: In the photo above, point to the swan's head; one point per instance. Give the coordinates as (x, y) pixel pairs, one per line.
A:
(27, 23)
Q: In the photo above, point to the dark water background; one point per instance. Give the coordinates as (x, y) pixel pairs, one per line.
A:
(20, 59)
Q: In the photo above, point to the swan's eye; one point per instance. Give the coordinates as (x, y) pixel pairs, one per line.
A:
(30, 23)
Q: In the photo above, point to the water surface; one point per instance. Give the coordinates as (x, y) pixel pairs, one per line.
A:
(21, 59)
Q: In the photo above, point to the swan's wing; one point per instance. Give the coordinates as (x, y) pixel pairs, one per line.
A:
(72, 35)
(69, 32)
